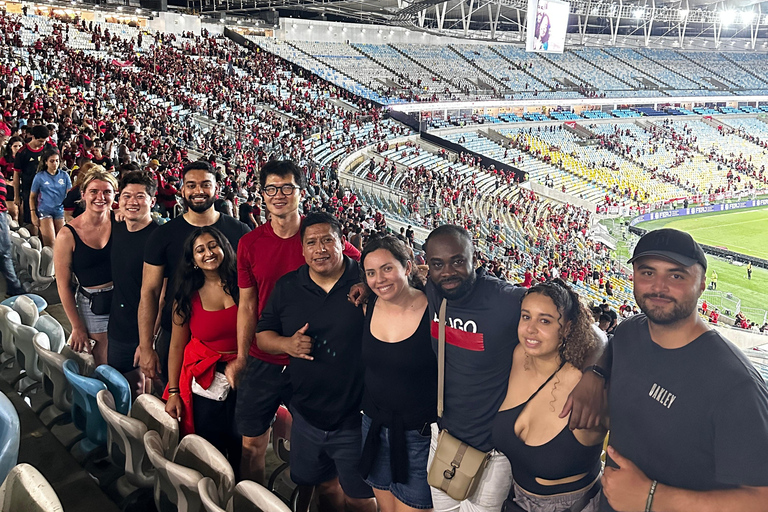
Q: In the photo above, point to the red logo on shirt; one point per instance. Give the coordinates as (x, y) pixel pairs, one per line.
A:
(461, 338)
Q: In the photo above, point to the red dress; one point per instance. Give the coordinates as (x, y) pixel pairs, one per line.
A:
(214, 339)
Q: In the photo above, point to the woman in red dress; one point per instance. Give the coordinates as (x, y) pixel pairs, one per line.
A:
(203, 341)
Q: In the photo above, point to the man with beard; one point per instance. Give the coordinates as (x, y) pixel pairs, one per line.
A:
(163, 253)
(688, 411)
(481, 321)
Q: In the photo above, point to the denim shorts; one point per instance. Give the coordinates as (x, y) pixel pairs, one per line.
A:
(94, 324)
(318, 456)
(51, 213)
(415, 491)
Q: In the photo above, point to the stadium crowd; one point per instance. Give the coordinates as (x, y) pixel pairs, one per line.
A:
(241, 302)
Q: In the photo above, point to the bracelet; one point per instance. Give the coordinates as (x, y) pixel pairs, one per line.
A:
(173, 394)
(649, 501)
(174, 390)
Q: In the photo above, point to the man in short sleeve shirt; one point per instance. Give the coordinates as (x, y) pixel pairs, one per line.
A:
(688, 411)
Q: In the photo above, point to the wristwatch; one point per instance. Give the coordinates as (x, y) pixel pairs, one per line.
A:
(599, 371)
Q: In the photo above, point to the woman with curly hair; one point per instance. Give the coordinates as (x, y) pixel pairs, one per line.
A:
(553, 467)
(204, 341)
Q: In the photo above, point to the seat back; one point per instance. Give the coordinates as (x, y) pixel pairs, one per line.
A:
(55, 384)
(9, 348)
(125, 442)
(23, 233)
(27, 310)
(209, 495)
(25, 349)
(10, 434)
(54, 330)
(35, 243)
(85, 410)
(150, 410)
(33, 259)
(16, 253)
(46, 262)
(27, 489)
(197, 453)
(252, 497)
(117, 384)
(175, 485)
(281, 434)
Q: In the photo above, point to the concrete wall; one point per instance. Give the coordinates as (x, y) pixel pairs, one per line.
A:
(176, 23)
(741, 338)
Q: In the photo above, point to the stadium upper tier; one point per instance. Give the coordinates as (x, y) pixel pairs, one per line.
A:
(397, 72)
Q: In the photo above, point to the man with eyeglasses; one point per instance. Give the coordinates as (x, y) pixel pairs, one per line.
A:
(164, 251)
(264, 256)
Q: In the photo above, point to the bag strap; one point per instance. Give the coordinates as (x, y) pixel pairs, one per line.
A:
(441, 358)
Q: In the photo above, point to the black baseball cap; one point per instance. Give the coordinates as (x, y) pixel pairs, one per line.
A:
(671, 244)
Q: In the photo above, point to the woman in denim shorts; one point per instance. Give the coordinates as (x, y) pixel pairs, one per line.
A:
(83, 249)
(399, 402)
(49, 188)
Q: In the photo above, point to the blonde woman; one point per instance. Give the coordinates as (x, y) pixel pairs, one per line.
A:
(84, 250)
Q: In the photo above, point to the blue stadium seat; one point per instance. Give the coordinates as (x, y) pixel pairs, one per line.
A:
(10, 434)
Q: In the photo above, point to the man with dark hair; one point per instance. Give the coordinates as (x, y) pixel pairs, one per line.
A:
(265, 255)
(689, 412)
(25, 167)
(247, 216)
(309, 318)
(99, 158)
(481, 312)
(164, 251)
(129, 239)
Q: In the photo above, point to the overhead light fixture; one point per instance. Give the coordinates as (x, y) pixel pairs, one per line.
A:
(727, 17)
(683, 13)
(638, 13)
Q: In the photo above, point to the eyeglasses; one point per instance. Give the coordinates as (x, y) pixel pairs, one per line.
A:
(287, 190)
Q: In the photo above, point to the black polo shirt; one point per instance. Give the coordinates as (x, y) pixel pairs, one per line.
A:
(326, 391)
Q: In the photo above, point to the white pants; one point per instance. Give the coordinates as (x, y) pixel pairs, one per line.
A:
(490, 493)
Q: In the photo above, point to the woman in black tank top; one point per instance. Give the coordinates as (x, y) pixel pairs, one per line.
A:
(399, 400)
(84, 250)
(553, 468)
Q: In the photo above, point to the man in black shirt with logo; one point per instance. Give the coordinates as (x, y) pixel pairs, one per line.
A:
(309, 318)
(688, 411)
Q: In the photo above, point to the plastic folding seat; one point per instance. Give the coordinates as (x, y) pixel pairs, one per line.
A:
(150, 410)
(27, 310)
(175, 485)
(85, 411)
(42, 275)
(197, 453)
(35, 243)
(38, 300)
(53, 329)
(26, 489)
(116, 384)
(125, 444)
(6, 338)
(23, 233)
(252, 497)
(10, 434)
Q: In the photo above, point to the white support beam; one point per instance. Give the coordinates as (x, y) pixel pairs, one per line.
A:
(494, 19)
(466, 16)
(422, 15)
(441, 15)
(755, 26)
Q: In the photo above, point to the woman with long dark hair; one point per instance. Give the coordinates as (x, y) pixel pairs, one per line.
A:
(13, 146)
(400, 397)
(204, 341)
(553, 467)
(46, 198)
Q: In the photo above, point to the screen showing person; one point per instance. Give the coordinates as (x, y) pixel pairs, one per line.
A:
(548, 24)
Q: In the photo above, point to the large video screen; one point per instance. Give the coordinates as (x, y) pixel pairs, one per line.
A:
(547, 25)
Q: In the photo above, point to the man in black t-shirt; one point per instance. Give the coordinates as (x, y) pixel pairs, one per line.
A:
(129, 238)
(246, 214)
(164, 251)
(25, 167)
(100, 158)
(309, 318)
(688, 411)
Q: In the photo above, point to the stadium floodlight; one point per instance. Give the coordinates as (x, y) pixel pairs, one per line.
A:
(683, 13)
(727, 17)
(638, 13)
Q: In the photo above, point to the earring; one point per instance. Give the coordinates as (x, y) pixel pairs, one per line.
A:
(195, 267)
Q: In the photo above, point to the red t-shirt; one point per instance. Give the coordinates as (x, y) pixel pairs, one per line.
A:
(262, 259)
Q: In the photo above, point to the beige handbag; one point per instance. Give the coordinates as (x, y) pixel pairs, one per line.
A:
(456, 467)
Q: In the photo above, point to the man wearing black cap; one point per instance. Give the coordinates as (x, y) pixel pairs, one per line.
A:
(689, 413)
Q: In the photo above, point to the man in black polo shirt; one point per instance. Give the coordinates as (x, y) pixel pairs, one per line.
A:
(25, 166)
(309, 318)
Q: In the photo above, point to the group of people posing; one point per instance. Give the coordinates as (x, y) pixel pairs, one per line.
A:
(232, 323)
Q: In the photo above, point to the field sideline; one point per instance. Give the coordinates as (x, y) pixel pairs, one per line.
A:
(741, 231)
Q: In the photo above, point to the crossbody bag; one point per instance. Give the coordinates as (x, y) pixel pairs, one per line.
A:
(456, 467)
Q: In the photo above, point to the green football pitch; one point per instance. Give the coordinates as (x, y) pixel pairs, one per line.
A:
(741, 231)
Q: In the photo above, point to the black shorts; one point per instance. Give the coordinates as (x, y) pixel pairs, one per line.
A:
(25, 205)
(263, 387)
(120, 354)
(10, 194)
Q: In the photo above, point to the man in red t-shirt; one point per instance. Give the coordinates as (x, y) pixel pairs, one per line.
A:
(263, 256)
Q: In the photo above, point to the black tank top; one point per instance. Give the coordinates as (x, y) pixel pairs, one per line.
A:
(561, 457)
(93, 267)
